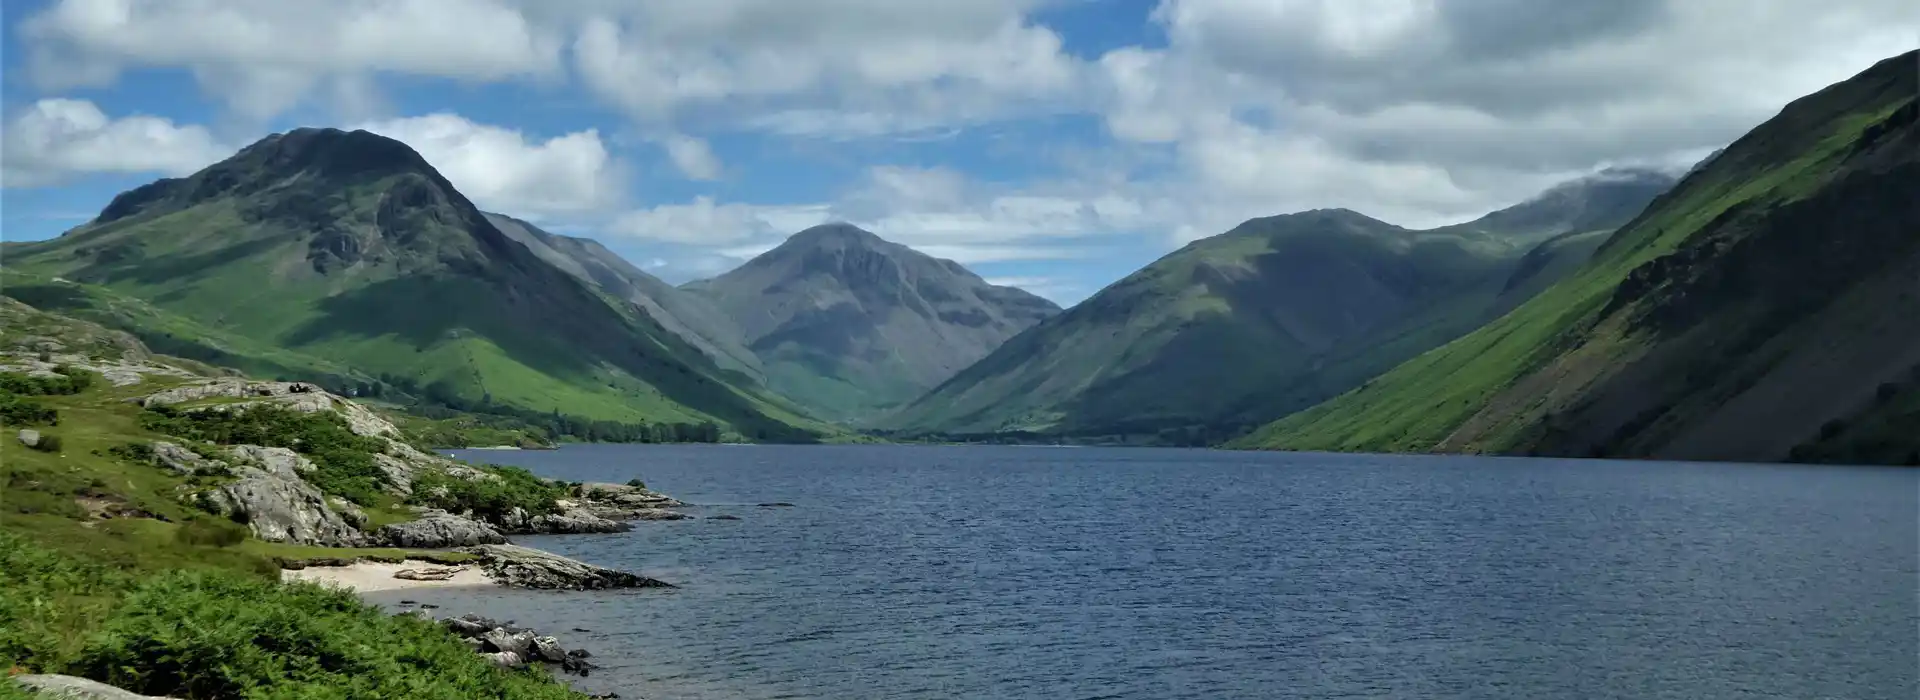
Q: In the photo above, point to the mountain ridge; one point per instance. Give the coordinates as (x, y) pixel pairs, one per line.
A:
(1268, 317)
(349, 245)
(1758, 311)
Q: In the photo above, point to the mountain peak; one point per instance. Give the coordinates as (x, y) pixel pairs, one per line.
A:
(836, 233)
(331, 153)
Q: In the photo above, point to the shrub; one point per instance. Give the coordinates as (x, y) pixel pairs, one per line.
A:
(343, 460)
(70, 381)
(48, 443)
(18, 410)
(203, 532)
(140, 452)
(636, 483)
(491, 499)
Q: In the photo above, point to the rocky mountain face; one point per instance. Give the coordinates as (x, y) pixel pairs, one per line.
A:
(1269, 318)
(847, 324)
(348, 246)
(687, 315)
(1762, 310)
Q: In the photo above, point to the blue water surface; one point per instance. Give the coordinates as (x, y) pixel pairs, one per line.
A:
(1085, 573)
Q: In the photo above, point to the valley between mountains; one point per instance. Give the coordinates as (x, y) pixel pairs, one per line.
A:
(1757, 307)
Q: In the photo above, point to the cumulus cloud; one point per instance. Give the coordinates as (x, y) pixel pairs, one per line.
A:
(504, 170)
(693, 157)
(827, 66)
(839, 65)
(264, 56)
(58, 139)
(1426, 112)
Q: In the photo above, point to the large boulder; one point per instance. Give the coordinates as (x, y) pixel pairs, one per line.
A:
(520, 567)
(71, 688)
(281, 507)
(499, 639)
(29, 437)
(438, 529)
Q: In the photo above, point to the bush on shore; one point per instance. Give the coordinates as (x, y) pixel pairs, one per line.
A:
(222, 634)
(491, 499)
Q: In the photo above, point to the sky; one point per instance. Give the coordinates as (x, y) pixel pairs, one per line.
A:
(1054, 145)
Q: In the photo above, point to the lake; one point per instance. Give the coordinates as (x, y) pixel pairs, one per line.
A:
(1092, 573)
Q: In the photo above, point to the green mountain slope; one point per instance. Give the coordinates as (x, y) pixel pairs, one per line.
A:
(1761, 310)
(687, 315)
(1269, 318)
(350, 247)
(847, 324)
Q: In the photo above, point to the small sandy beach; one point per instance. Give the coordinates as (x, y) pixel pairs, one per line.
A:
(369, 576)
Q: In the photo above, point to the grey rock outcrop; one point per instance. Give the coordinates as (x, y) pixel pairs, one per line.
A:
(510, 646)
(72, 688)
(623, 502)
(574, 521)
(183, 461)
(504, 659)
(438, 529)
(29, 437)
(297, 396)
(520, 567)
(276, 460)
(277, 505)
(501, 640)
(627, 496)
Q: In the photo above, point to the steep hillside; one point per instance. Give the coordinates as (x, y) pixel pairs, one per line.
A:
(687, 315)
(1762, 310)
(847, 324)
(1270, 318)
(350, 247)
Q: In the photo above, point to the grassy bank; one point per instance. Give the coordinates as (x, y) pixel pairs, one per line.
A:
(108, 571)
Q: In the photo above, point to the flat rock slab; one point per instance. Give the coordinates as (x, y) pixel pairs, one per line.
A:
(521, 567)
(72, 688)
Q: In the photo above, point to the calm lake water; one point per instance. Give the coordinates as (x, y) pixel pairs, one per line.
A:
(1076, 574)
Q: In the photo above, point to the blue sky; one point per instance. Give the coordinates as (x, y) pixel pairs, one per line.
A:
(1052, 144)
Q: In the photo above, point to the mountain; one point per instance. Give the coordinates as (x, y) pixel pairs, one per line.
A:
(687, 315)
(1761, 310)
(320, 243)
(847, 324)
(1269, 318)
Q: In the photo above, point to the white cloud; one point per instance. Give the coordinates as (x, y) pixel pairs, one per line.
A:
(1422, 113)
(817, 67)
(693, 157)
(504, 170)
(834, 67)
(701, 222)
(58, 139)
(264, 56)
